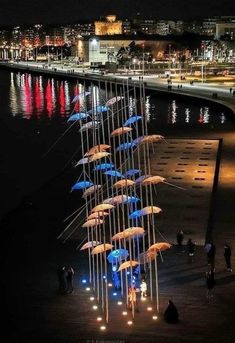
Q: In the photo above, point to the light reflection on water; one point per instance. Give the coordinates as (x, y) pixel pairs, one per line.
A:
(37, 96)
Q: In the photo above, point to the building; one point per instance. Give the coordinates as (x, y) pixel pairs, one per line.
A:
(225, 29)
(109, 26)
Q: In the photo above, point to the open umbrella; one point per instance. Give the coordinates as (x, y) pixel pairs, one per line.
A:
(132, 172)
(97, 215)
(91, 190)
(93, 222)
(123, 183)
(120, 131)
(117, 255)
(81, 185)
(153, 180)
(125, 146)
(90, 244)
(89, 125)
(159, 247)
(104, 166)
(113, 100)
(145, 211)
(151, 138)
(146, 257)
(128, 264)
(132, 120)
(130, 232)
(114, 173)
(79, 96)
(101, 248)
(97, 148)
(98, 109)
(82, 161)
(121, 199)
(141, 178)
(102, 207)
(98, 156)
(77, 116)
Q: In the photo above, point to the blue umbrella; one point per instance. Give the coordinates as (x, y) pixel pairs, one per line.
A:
(138, 140)
(113, 173)
(135, 214)
(104, 166)
(98, 109)
(78, 116)
(125, 146)
(132, 120)
(79, 96)
(132, 172)
(81, 185)
(118, 254)
(131, 200)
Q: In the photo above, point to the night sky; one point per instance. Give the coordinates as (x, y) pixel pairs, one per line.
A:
(65, 11)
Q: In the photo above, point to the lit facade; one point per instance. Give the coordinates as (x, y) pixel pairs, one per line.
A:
(109, 26)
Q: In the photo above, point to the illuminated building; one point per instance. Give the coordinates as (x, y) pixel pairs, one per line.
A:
(109, 26)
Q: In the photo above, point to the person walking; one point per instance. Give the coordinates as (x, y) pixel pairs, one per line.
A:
(69, 278)
(210, 283)
(227, 256)
(211, 255)
(61, 273)
(230, 90)
(180, 237)
(191, 250)
(171, 314)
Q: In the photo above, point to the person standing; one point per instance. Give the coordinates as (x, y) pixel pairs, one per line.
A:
(227, 256)
(69, 278)
(171, 314)
(211, 256)
(191, 250)
(180, 237)
(61, 272)
(210, 283)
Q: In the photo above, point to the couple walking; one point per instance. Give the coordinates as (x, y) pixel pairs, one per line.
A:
(65, 278)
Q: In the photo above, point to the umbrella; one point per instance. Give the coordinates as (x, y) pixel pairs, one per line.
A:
(91, 190)
(142, 178)
(81, 185)
(121, 199)
(130, 232)
(128, 264)
(97, 148)
(153, 180)
(113, 173)
(146, 257)
(125, 146)
(98, 155)
(120, 131)
(89, 244)
(151, 138)
(104, 166)
(98, 109)
(82, 161)
(93, 222)
(159, 247)
(97, 215)
(101, 248)
(102, 207)
(78, 116)
(118, 254)
(112, 101)
(89, 125)
(132, 120)
(145, 211)
(79, 96)
(123, 183)
(132, 172)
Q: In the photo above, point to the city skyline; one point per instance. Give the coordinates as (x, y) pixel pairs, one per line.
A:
(74, 11)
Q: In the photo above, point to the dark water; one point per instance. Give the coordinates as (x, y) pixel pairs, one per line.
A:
(34, 112)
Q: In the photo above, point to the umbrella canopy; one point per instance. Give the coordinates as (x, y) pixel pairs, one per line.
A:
(130, 232)
(82, 161)
(145, 211)
(81, 185)
(132, 172)
(102, 207)
(117, 255)
(77, 116)
(146, 257)
(101, 248)
(79, 96)
(123, 183)
(98, 156)
(125, 146)
(91, 190)
(120, 131)
(151, 138)
(112, 101)
(121, 199)
(104, 166)
(97, 148)
(153, 180)
(141, 178)
(128, 264)
(89, 244)
(159, 247)
(132, 120)
(98, 109)
(93, 222)
(115, 173)
(97, 215)
(89, 125)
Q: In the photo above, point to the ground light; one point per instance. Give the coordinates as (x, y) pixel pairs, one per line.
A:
(92, 298)
(88, 289)
(99, 319)
(110, 285)
(119, 303)
(149, 308)
(155, 317)
(83, 281)
(95, 307)
(114, 293)
(124, 313)
(102, 328)
(130, 322)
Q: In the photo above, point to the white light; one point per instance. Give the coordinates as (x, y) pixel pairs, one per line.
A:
(92, 298)
(83, 281)
(102, 328)
(99, 319)
(114, 293)
(95, 307)
(130, 322)
(143, 299)
(119, 303)
(110, 284)
(124, 313)
(149, 308)
(88, 289)
(155, 317)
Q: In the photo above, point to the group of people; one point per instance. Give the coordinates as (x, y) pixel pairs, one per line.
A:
(65, 279)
